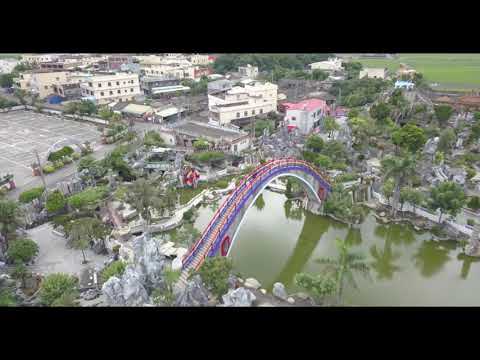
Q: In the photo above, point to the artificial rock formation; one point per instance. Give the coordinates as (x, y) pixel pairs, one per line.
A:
(194, 293)
(239, 297)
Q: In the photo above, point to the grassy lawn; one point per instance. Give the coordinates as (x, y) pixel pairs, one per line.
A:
(10, 56)
(450, 71)
(187, 194)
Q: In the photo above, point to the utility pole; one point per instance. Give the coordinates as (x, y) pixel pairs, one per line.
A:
(41, 170)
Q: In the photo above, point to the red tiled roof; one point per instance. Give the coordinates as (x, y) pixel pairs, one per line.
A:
(307, 105)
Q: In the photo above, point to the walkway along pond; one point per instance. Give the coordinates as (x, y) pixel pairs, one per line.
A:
(278, 240)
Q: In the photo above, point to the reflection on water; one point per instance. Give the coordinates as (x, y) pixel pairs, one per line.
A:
(278, 240)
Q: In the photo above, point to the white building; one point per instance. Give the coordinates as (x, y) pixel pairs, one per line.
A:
(332, 64)
(201, 59)
(249, 71)
(242, 102)
(373, 73)
(38, 58)
(104, 89)
(169, 70)
(7, 65)
(305, 116)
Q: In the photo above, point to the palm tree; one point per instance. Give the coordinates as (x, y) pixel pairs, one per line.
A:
(400, 169)
(344, 267)
(84, 230)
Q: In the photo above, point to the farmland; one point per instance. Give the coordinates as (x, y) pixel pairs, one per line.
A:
(449, 71)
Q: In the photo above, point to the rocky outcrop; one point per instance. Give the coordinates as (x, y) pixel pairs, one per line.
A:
(252, 283)
(149, 261)
(279, 291)
(239, 297)
(194, 293)
(127, 290)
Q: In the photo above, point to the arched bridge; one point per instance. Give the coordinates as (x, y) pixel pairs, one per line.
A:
(220, 233)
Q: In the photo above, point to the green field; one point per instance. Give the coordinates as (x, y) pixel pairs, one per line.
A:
(10, 56)
(459, 72)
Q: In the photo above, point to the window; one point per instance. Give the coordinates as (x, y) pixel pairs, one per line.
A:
(294, 118)
(118, 82)
(101, 93)
(111, 92)
(109, 83)
(238, 97)
(57, 78)
(46, 87)
(238, 115)
(131, 90)
(90, 84)
(253, 112)
(118, 91)
(126, 90)
(261, 111)
(245, 113)
(124, 83)
(99, 85)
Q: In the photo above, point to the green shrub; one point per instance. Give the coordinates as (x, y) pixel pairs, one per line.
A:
(116, 268)
(188, 215)
(48, 169)
(22, 250)
(221, 184)
(7, 298)
(76, 156)
(470, 173)
(58, 164)
(89, 196)
(214, 273)
(67, 160)
(471, 222)
(57, 286)
(116, 249)
(55, 202)
(32, 194)
(474, 203)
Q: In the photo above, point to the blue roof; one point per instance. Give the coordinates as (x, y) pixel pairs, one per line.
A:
(403, 83)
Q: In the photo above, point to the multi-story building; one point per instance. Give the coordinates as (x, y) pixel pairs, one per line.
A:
(170, 71)
(373, 73)
(248, 71)
(305, 116)
(117, 60)
(242, 102)
(34, 59)
(68, 91)
(104, 89)
(149, 83)
(201, 59)
(39, 82)
(331, 65)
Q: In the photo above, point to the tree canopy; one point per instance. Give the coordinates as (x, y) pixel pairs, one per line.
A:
(448, 196)
(410, 137)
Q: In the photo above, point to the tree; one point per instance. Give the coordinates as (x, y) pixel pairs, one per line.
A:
(319, 75)
(439, 158)
(330, 125)
(10, 219)
(55, 202)
(55, 287)
(105, 113)
(387, 188)
(214, 273)
(88, 199)
(474, 203)
(166, 296)
(201, 144)
(409, 137)
(447, 140)
(116, 268)
(6, 80)
(153, 139)
(261, 125)
(335, 150)
(30, 195)
(323, 161)
(443, 113)
(144, 196)
(400, 169)
(20, 94)
(449, 197)
(22, 250)
(314, 143)
(344, 267)
(380, 112)
(413, 196)
(83, 231)
(318, 286)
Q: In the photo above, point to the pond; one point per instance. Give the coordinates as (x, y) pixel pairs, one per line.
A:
(278, 240)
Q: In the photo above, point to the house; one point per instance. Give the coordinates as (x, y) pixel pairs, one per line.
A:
(241, 102)
(40, 82)
(201, 59)
(107, 88)
(68, 91)
(116, 61)
(400, 84)
(223, 138)
(373, 73)
(249, 71)
(305, 116)
(219, 86)
(35, 59)
(148, 83)
(198, 72)
(404, 71)
(331, 65)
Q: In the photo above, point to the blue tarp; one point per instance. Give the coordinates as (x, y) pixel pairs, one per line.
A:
(55, 99)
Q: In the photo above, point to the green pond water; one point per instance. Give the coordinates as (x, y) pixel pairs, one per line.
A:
(278, 240)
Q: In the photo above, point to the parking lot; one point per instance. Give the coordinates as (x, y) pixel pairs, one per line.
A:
(23, 132)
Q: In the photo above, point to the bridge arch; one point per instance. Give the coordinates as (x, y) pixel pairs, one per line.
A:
(220, 233)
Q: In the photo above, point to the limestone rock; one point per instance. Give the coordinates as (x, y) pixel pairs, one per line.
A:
(239, 297)
(194, 294)
(233, 282)
(177, 263)
(149, 261)
(90, 294)
(252, 283)
(291, 300)
(126, 291)
(279, 291)
(263, 291)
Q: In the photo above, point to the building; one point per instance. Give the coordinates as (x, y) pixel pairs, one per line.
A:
(201, 59)
(117, 60)
(373, 73)
(7, 65)
(331, 65)
(39, 82)
(53, 66)
(170, 71)
(404, 71)
(249, 71)
(35, 59)
(104, 89)
(68, 91)
(148, 83)
(219, 86)
(223, 138)
(198, 72)
(242, 102)
(399, 84)
(305, 116)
